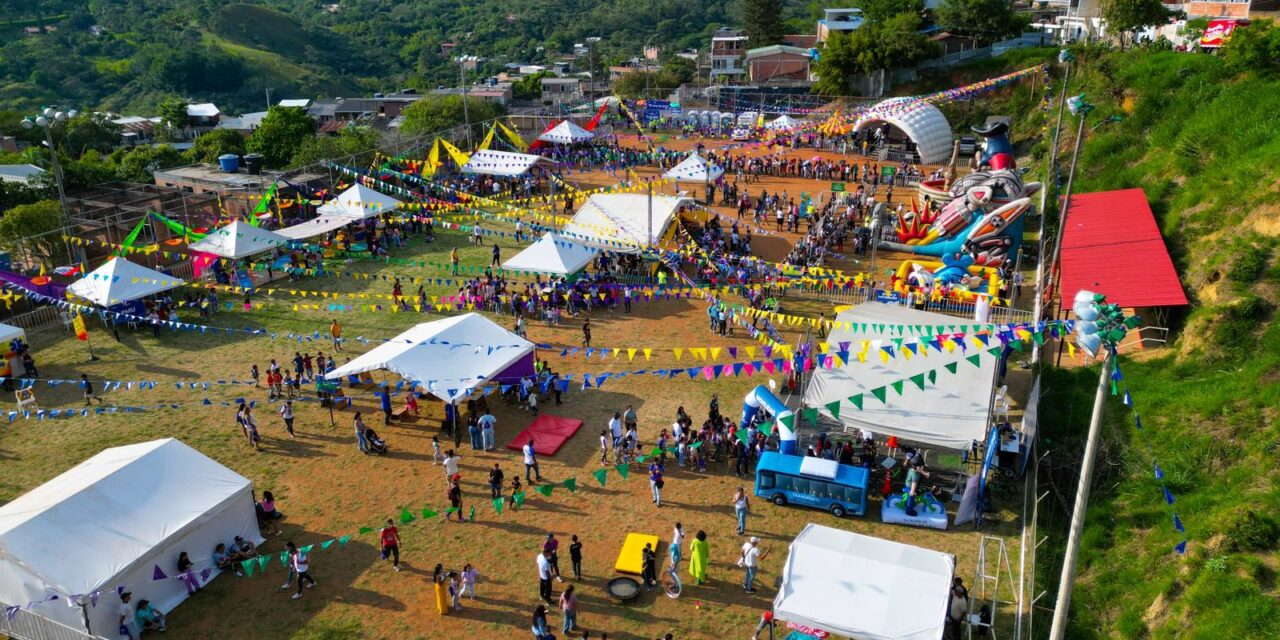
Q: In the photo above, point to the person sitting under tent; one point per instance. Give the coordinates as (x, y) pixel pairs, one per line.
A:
(222, 560)
(148, 617)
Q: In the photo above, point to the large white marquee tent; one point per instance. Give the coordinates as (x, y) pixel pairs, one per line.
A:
(951, 413)
(238, 240)
(922, 122)
(623, 221)
(112, 521)
(450, 357)
(119, 280)
(359, 202)
(552, 253)
(694, 168)
(503, 163)
(566, 133)
(857, 586)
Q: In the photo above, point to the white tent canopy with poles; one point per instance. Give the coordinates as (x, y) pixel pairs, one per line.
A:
(862, 587)
(119, 280)
(553, 254)
(239, 239)
(951, 413)
(623, 222)
(359, 202)
(503, 163)
(115, 521)
(566, 133)
(694, 168)
(450, 357)
(315, 227)
(784, 122)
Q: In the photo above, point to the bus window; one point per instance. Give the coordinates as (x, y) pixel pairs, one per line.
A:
(767, 480)
(800, 485)
(853, 495)
(785, 482)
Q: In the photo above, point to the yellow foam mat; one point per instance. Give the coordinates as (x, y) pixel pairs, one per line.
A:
(629, 559)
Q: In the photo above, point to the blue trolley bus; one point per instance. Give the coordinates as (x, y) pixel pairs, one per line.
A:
(812, 482)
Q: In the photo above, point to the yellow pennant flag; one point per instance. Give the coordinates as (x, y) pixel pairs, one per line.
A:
(631, 354)
(677, 351)
(647, 353)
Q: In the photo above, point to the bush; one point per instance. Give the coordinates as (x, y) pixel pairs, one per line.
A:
(1233, 332)
(1250, 263)
(1253, 531)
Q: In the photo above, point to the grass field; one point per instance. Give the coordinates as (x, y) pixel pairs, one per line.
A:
(328, 489)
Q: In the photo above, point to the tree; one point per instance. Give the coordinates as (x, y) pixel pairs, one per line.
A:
(210, 145)
(280, 135)
(350, 141)
(1127, 16)
(894, 42)
(530, 86)
(676, 71)
(13, 194)
(139, 164)
(877, 11)
(438, 114)
(983, 20)
(173, 110)
(32, 229)
(762, 22)
(86, 131)
(631, 86)
(1255, 47)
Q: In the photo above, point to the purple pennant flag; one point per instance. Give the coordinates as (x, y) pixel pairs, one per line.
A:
(120, 590)
(10, 613)
(157, 574)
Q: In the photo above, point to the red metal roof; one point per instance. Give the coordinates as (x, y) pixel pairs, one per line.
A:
(1112, 246)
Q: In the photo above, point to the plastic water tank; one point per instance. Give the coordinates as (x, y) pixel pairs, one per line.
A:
(229, 162)
(253, 163)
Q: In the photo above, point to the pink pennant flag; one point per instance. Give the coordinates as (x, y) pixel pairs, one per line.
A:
(768, 366)
(706, 372)
(786, 365)
(748, 369)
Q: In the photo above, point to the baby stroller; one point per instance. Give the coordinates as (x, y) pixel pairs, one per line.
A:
(377, 446)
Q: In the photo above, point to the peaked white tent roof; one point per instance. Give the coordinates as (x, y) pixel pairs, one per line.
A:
(862, 587)
(359, 201)
(950, 413)
(502, 163)
(783, 122)
(921, 121)
(566, 133)
(113, 520)
(317, 226)
(239, 239)
(450, 357)
(119, 280)
(694, 167)
(552, 253)
(620, 221)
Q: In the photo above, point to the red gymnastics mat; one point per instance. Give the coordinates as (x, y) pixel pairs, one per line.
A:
(549, 433)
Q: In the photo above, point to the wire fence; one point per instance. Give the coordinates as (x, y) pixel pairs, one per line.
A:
(858, 295)
(27, 625)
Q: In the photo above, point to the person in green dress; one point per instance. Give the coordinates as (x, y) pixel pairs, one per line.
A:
(698, 557)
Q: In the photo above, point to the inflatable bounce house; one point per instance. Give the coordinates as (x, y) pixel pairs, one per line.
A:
(761, 399)
(971, 227)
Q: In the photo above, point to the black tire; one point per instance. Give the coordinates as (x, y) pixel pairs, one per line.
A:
(779, 499)
(837, 511)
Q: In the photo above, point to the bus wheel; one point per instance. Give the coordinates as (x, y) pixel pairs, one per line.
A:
(779, 499)
(837, 511)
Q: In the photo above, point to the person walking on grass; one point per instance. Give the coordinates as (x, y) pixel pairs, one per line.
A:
(569, 607)
(750, 562)
(698, 552)
(586, 333)
(740, 508)
(335, 331)
(286, 412)
(454, 494)
(389, 536)
(544, 575)
(495, 481)
(575, 557)
(441, 590)
(531, 463)
(487, 422)
(301, 564)
(677, 541)
(552, 546)
(453, 259)
(87, 387)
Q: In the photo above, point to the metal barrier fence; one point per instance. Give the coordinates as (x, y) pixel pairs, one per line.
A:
(26, 625)
(998, 315)
(37, 320)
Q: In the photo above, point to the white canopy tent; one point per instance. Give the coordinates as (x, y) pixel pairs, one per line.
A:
(566, 133)
(922, 122)
(239, 239)
(951, 413)
(622, 221)
(784, 122)
(449, 357)
(862, 587)
(694, 168)
(315, 227)
(359, 202)
(552, 253)
(119, 519)
(119, 280)
(503, 163)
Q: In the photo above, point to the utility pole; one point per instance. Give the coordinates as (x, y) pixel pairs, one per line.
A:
(1059, 628)
(268, 99)
(1050, 183)
(1062, 217)
(462, 77)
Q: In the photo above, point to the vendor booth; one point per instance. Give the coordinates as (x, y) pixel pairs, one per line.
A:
(119, 280)
(866, 588)
(553, 254)
(117, 522)
(12, 339)
(624, 222)
(451, 358)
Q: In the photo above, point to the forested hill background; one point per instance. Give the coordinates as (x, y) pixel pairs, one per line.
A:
(146, 50)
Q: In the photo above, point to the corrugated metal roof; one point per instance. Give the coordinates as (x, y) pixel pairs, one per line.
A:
(1112, 246)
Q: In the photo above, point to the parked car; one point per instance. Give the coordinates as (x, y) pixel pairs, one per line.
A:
(742, 133)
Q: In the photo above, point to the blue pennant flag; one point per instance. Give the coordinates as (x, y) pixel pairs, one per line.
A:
(1177, 524)
(1159, 472)
(1168, 497)
(1181, 548)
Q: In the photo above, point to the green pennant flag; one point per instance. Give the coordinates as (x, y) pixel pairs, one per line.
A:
(789, 421)
(262, 563)
(834, 408)
(133, 235)
(284, 558)
(471, 515)
(810, 415)
(995, 351)
(427, 513)
(600, 475)
(497, 505)
(641, 459)
(973, 359)
(897, 386)
(918, 380)
(1115, 390)
(742, 435)
(364, 530)
(327, 543)
(307, 549)
(518, 499)
(657, 451)
(571, 484)
(951, 366)
(406, 517)
(1038, 337)
(696, 444)
(1016, 345)
(545, 489)
(451, 510)
(933, 376)
(879, 393)
(248, 566)
(623, 470)
(342, 542)
(856, 400)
